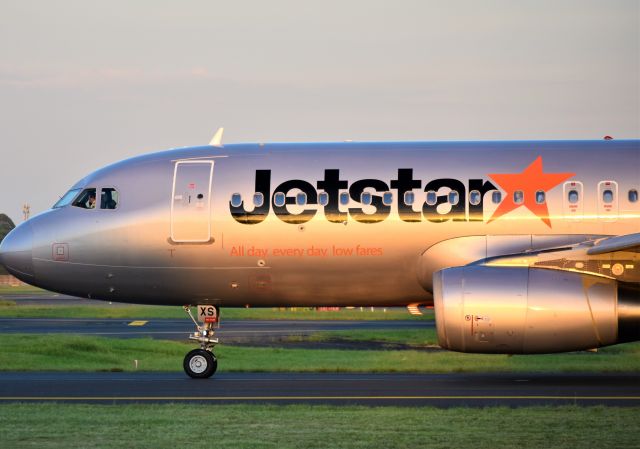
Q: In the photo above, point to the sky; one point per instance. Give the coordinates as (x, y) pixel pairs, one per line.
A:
(86, 83)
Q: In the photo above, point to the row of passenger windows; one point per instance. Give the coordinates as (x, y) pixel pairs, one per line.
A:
(86, 199)
(366, 198)
(608, 196)
(453, 197)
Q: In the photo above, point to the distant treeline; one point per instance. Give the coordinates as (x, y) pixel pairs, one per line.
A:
(6, 225)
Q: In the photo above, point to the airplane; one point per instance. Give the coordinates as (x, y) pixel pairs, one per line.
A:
(522, 247)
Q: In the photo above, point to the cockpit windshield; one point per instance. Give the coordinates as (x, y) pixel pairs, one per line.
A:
(87, 199)
(66, 198)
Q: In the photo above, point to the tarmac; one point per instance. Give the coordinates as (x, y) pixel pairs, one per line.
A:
(439, 390)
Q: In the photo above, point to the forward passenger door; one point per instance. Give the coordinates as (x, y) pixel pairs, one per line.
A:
(191, 202)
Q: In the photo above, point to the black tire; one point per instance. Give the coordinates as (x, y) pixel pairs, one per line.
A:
(200, 364)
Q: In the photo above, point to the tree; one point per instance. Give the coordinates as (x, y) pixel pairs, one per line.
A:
(6, 225)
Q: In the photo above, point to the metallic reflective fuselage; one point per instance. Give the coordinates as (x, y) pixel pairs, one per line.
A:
(128, 254)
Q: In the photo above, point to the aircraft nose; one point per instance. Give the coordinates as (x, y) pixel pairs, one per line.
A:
(16, 252)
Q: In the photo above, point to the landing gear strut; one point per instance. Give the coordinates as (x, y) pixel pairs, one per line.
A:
(202, 363)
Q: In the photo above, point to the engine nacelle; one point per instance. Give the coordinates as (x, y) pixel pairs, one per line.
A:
(521, 310)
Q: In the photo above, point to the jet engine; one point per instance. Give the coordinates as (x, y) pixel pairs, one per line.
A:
(524, 310)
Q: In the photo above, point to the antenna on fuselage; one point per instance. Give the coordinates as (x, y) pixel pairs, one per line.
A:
(216, 141)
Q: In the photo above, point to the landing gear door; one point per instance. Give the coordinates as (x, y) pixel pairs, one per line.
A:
(608, 200)
(573, 201)
(191, 202)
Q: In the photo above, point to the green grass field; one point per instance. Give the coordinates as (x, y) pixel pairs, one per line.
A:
(79, 353)
(21, 289)
(48, 426)
(413, 337)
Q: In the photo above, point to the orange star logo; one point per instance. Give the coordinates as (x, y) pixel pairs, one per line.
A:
(524, 187)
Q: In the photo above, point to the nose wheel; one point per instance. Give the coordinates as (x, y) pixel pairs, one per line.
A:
(202, 363)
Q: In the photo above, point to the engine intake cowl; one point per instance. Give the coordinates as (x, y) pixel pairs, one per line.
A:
(521, 310)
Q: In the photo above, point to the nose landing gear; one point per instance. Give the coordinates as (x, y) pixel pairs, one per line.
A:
(202, 363)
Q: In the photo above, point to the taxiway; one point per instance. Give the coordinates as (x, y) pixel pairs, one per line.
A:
(441, 390)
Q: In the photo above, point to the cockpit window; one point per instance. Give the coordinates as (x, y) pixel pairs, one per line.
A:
(66, 198)
(86, 200)
(109, 198)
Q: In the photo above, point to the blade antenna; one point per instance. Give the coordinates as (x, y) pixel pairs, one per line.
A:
(216, 141)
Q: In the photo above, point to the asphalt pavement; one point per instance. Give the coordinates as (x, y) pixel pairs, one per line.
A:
(441, 390)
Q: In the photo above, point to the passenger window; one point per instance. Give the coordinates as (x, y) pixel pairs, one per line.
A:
(387, 198)
(633, 195)
(540, 197)
(453, 197)
(87, 199)
(344, 198)
(258, 199)
(301, 199)
(573, 196)
(474, 197)
(109, 198)
(236, 200)
(365, 198)
(607, 196)
(279, 199)
(518, 197)
(496, 197)
(409, 198)
(323, 198)
(432, 198)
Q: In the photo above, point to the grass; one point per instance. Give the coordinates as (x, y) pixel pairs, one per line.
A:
(80, 353)
(158, 426)
(90, 311)
(4, 288)
(21, 289)
(9, 309)
(413, 337)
